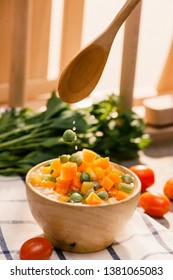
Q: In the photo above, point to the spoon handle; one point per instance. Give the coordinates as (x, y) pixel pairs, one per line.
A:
(106, 38)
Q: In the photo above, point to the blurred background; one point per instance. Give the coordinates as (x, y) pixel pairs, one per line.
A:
(38, 38)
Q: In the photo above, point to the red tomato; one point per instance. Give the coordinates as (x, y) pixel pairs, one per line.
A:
(37, 248)
(145, 175)
(168, 188)
(154, 204)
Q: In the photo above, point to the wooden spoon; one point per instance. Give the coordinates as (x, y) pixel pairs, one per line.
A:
(82, 74)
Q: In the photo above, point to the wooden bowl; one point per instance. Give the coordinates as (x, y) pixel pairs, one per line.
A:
(81, 228)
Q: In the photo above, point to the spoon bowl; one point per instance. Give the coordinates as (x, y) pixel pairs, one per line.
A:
(82, 74)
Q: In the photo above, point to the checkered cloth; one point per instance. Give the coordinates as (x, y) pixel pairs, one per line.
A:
(142, 239)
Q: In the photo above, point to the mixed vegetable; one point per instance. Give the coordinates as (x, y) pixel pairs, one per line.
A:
(83, 177)
(28, 137)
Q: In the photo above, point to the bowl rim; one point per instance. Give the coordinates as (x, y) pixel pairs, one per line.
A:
(33, 189)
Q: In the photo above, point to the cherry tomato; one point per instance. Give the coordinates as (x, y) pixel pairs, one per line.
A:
(168, 188)
(145, 175)
(37, 248)
(154, 204)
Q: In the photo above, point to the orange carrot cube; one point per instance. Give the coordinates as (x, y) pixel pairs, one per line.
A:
(113, 175)
(101, 162)
(113, 192)
(63, 186)
(68, 170)
(82, 167)
(93, 199)
(108, 169)
(107, 183)
(76, 182)
(121, 195)
(100, 190)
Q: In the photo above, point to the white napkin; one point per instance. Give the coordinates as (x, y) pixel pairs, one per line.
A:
(142, 239)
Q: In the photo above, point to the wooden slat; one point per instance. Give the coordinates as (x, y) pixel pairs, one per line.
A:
(165, 84)
(19, 53)
(39, 39)
(129, 57)
(71, 30)
(5, 38)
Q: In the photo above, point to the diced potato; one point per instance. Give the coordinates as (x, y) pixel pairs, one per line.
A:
(86, 186)
(99, 172)
(88, 155)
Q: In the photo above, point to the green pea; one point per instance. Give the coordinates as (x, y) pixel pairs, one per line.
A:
(103, 195)
(64, 158)
(69, 136)
(76, 157)
(84, 177)
(76, 197)
(96, 185)
(127, 178)
(126, 187)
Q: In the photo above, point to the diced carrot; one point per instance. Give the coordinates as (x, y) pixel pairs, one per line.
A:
(93, 199)
(88, 155)
(83, 166)
(100, 190)
(63, 186)
(107, 183)
(55, 167)
(35, 178)
(86, 186)
(113, 192)
(48, 184)
(76, 182)
(91, 172)
(108, 169)
(68, 170)
(99, 172)
(114, 177)
(101, 162)
(121, 195)
(63, 183)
